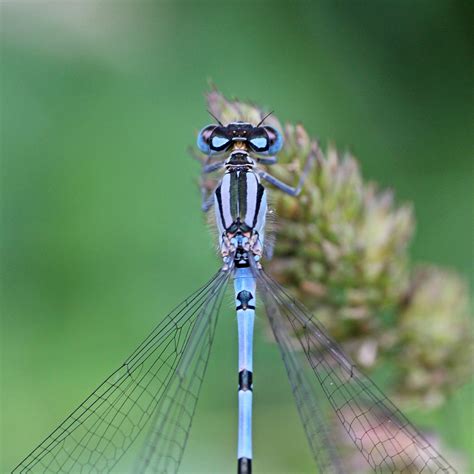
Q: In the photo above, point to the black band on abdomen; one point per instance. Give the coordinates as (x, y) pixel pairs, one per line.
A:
(244, 297)
(245, 380)
(244, 466)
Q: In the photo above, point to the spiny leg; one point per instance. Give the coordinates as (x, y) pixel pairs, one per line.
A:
(207, 198)
(211, 167)
(293, 190)
(267, 160)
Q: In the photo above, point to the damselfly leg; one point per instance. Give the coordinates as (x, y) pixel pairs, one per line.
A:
(287, 189)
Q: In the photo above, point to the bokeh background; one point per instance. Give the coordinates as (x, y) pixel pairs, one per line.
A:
(101, 229)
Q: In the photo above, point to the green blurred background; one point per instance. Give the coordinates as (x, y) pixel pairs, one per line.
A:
(101, 228)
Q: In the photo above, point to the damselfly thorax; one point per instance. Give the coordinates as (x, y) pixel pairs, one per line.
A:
(240, 208)
(239, 149)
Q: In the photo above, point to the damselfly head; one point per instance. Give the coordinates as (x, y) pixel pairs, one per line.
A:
(239, 135)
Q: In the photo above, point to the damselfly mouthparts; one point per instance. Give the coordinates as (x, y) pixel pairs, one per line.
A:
(159, 384)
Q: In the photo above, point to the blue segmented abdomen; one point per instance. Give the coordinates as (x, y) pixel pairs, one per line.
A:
(245, 288)
(240, 202)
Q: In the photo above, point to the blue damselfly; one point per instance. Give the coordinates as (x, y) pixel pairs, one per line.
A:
(158, 385)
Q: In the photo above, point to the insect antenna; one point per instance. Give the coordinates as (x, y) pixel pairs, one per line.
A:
(265, 117)
(215, 118)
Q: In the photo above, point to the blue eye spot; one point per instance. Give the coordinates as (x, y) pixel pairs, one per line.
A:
(259, 142)
(203, 138)
(202, 145)
(277, 145)
(218, 142)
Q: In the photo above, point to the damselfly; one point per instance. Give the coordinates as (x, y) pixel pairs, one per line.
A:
(158, 385)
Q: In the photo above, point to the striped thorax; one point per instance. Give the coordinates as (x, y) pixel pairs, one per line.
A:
(240, 199)
(240, 207)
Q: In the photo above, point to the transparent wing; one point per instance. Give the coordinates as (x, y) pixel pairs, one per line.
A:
(310, 408)
(169, 431)
(97, 433)
(384, 436)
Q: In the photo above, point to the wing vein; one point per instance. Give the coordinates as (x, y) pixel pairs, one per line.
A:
(375, 425)
(99, 431)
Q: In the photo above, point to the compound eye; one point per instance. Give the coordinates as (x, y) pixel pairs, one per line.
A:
(259, 143)
(219, 143)
(275, 140)
(204, 137)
